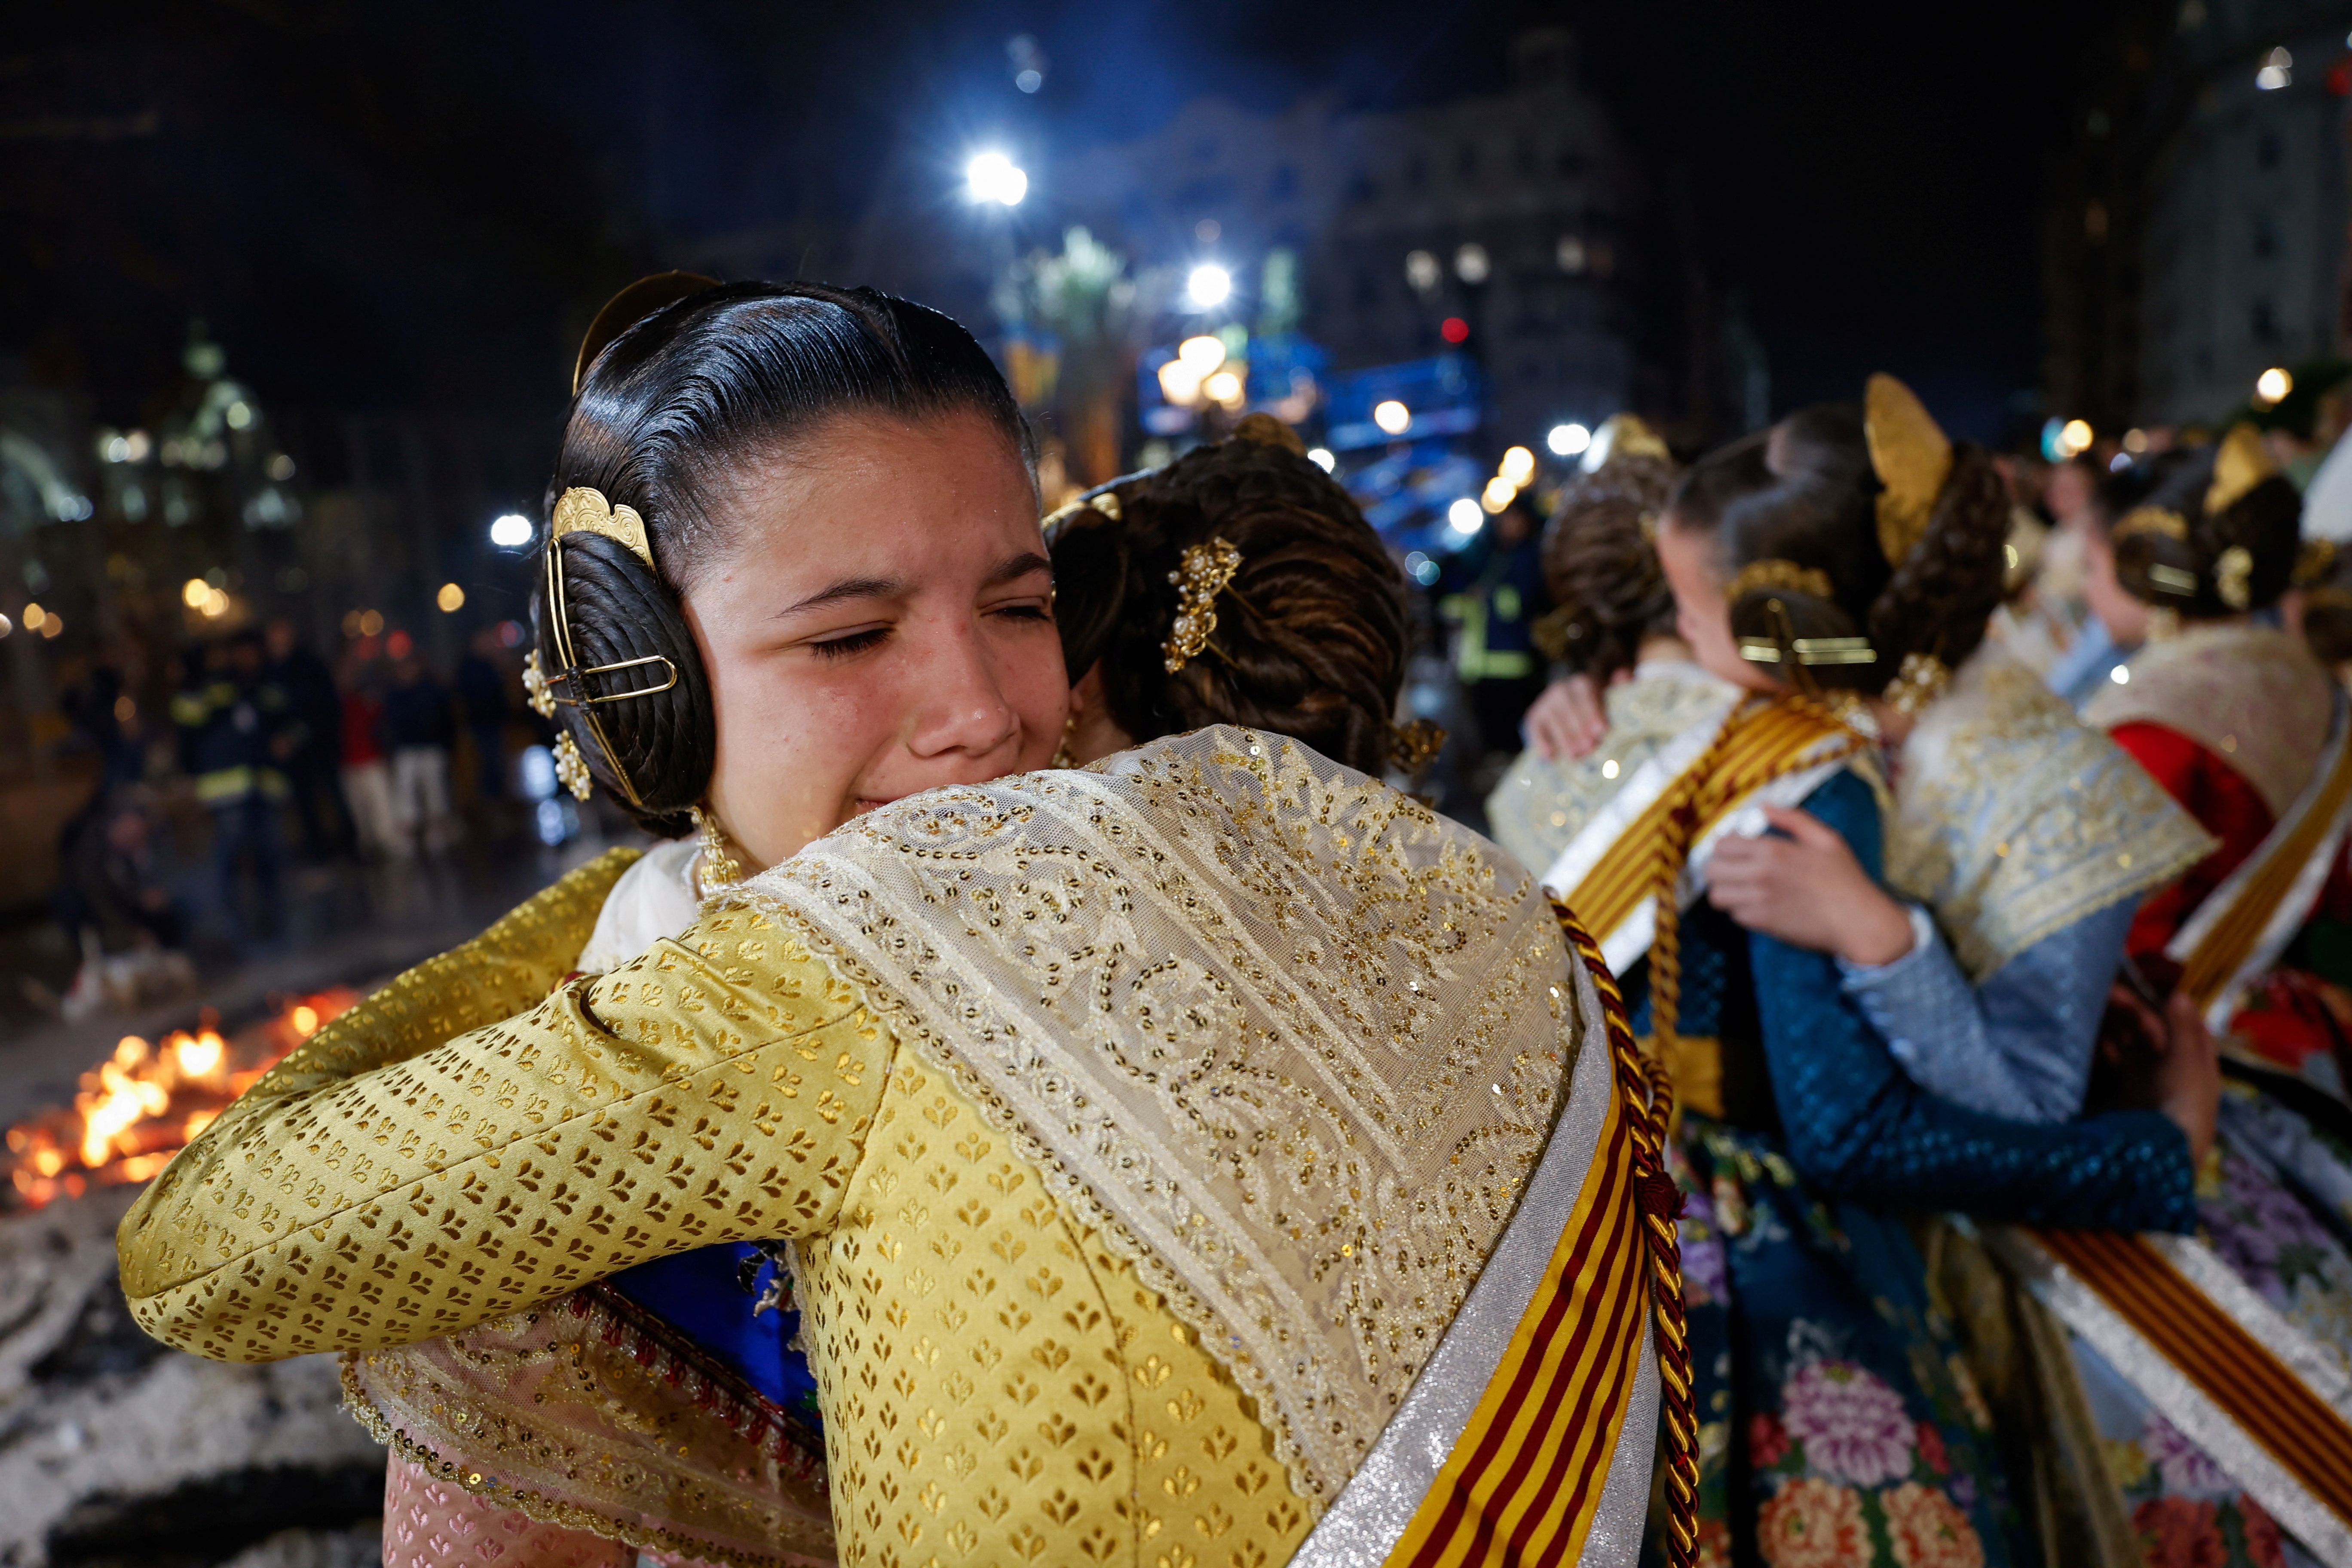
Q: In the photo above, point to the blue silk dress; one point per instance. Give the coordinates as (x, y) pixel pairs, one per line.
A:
(1839, 1422)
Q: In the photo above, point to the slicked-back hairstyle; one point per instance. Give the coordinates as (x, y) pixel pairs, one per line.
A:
(674, 416)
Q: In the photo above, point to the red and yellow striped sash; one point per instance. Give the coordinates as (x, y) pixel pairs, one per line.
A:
(1525, 1480)
(2224, 948)
(2239, 1374)
(1758, 745)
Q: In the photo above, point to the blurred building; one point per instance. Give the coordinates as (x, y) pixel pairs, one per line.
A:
(2198, 219)
(1503, 225)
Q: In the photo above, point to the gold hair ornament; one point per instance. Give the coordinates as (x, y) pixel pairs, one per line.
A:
(534, 686)
(1775, 574)
(1808, 651)
(1413, 746)
(2233, 577)
(1922, 679)
(716, 867)
(572, 768)
(2153, 520)
(578, 511)
(1622, 435)
(2243, 462)
(1205, 570)
(2172, 580)
(1912, 458)
(1103, 498)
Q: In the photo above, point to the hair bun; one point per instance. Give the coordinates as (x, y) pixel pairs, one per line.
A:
(662, 743)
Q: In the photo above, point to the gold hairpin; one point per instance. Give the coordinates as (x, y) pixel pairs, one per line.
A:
(1205, 570)
(1912, 456)
(2243, 462)
(1776, 575)
(2153, 520)
(1809, 651)
(2172, 580)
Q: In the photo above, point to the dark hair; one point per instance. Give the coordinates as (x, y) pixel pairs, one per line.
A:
(1805, 492)
(665, 421)
(2157, 568)
(1600, 562)
(1310, 637)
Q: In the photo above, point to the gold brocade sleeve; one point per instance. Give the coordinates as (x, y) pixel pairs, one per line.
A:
(507, 970)
(718, 1087)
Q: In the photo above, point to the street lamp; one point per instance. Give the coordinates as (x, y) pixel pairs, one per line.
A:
(993, 177)
(1208, 287)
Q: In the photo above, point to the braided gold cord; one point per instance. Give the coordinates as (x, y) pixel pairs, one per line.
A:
(1648, 1097)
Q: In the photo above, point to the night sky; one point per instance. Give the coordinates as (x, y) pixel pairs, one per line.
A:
(418, 206)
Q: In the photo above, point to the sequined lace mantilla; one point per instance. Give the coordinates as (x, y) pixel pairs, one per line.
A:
(2015, 819)
(1289, 1041)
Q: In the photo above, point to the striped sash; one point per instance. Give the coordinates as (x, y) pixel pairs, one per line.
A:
(2273, 1409)
(2246, 922)
(1695, 792)
(1527, 1438)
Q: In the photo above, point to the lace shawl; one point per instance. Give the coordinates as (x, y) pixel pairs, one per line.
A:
(2015, 819)
(1293, 1042)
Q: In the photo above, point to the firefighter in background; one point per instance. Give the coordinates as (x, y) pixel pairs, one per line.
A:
(236, 728)
(1491, 594)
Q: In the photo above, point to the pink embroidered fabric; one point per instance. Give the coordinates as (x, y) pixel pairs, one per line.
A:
(433, 1524)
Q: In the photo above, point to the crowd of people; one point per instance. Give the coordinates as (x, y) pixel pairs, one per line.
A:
(1057, 1096)
(290, 761)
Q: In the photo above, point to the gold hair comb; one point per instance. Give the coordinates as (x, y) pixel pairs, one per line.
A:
(1776, 575)
(2243, 462)
(1912, 456)
(1204, 574)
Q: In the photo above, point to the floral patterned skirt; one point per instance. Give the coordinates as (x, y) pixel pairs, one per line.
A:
(1839, 1425)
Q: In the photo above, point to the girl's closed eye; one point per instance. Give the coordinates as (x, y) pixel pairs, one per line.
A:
(849, 643)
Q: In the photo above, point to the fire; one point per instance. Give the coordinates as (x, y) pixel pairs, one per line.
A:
(142, 1105)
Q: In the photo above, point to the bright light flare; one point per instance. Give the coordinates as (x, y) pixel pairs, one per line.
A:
(512, 532)
(2075, 435)
(1208, 287)
(450, 599)
(1465, 516)
(1225, 387)
(993, 177)
(1568, 440)
(1202, 353)
(1180, 383)
(1519, 466)
(1323, 458)
(2273, 384)
(1393, 416)
(1500, 493)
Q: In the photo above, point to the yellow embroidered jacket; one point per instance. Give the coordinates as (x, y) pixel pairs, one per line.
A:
(1141, 1132)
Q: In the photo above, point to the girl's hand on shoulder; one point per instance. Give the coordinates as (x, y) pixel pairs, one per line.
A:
(1568, 721)
(1808, 890)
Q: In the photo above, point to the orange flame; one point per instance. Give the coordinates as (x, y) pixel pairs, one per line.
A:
(142, 1105)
